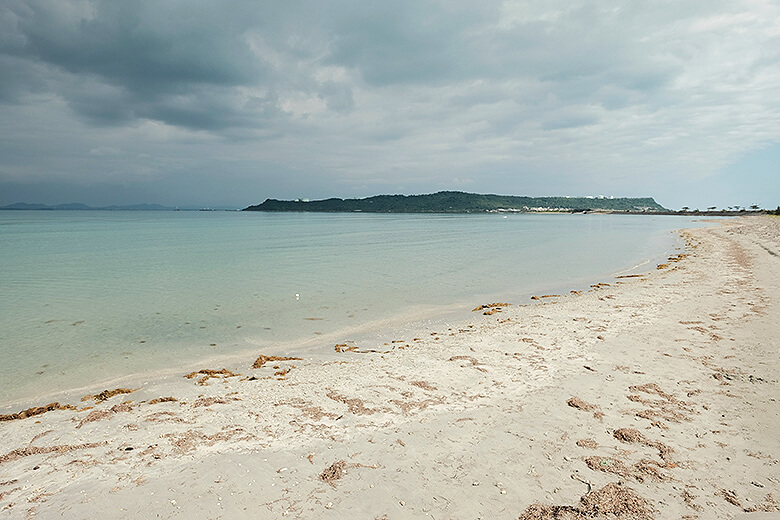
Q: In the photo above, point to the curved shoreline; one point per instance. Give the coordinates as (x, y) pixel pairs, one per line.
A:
(665, 383)
(377, 330)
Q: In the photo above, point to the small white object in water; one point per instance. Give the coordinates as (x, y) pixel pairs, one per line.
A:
(297, 296)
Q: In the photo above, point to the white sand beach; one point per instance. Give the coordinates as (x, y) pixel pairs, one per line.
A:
(654, 396)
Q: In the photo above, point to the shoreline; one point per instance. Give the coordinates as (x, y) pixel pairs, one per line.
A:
(421, 317)
(664, 382)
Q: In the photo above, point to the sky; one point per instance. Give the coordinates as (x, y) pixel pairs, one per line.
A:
(230, 102)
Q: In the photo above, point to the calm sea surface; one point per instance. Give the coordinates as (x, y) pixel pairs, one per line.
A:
(86, 296)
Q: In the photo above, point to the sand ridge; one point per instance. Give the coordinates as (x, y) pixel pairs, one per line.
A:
(651, 396)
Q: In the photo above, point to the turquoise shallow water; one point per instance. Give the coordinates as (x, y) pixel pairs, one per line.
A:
(86, 296)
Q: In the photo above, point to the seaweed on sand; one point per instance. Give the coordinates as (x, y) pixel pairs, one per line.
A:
(208, 374)
(333, 472)
(107, 394)
(613, 501)
(631, 435)
(35, 410)
(262, 360)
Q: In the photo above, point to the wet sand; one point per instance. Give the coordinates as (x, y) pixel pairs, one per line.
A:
(655, 396)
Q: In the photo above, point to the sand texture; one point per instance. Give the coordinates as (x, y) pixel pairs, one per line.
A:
(646, 397)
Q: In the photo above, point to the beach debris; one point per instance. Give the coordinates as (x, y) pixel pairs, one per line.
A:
(188, 441)
(730, 496)
(638, 471)
(163, 400)
(208, 374)
(36, 410)
(496, 305)
(672, 259)
(309, 410)
(355, 405)
(611, 501)
(164, 416)
(333, 472)
(490, 308)
(579, 404)
(39, 450)
(424, 385)
(283, 372)
(577, 477)
(631, 435)
(588, 444)
(769, 505)
(108, 394)
(262, 360)
(208, 401)
(99, 415)
(343, 347)
(690, 499)
(40, 435)
(667, 408)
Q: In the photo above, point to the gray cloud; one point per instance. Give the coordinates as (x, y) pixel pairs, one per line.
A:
(350, 97)
(146, 47)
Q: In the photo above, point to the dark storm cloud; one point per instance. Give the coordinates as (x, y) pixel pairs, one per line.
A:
(140, 46)
(118, 61)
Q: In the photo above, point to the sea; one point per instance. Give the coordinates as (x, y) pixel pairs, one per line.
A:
(87, 297)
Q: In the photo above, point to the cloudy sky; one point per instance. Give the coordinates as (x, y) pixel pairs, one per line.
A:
(196, 102)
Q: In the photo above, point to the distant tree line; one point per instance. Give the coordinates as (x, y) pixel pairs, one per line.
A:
(731, 210)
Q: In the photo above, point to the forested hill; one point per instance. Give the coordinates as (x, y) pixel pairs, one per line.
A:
(459, 202)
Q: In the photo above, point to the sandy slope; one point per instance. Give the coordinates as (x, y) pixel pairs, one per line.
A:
(666, 384)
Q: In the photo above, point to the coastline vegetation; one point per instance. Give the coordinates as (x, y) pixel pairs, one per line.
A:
(461, 202)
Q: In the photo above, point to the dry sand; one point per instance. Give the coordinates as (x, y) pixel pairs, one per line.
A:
(651, 397)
